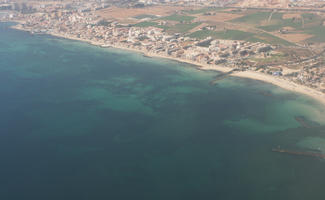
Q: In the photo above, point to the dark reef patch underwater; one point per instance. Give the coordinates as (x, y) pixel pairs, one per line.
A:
(82, 122)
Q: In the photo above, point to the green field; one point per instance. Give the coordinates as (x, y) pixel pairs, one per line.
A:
(277, 23)
(179, 18)
(273, 58)
(145, 16)
(153, 24)
(308, 24)
(182, 28)
(145, 24)
(198, 11)
(297, 25)
(310, 17)
(202, 34)
(271, 39)
(318, 32)
(227, 35)
(178, 28)
(253, 18)
(314, 26)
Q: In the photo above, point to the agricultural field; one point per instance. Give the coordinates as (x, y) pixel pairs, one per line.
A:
(146, 24)
(124, 13)
(272, 27)
(179, 18)
(256, 26)
(298, 22)
(202, 10)
(219, 17)
(294, 27)
(177, 28)
(227, 34)
(271, 39)
(183, 27)
(174, 23)
(294, 37)
(318, 34)
(253, 18)
(144, 16)
(278, 57)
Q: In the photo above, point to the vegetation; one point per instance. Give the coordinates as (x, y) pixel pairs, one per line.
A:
(203, 10)
(271, 39)
(278, 23)
(202, 34)
(145, 24)
(179, 18)
(306, 23)
(318, 33)
(228, 34)
(151, 23)
(198, 11)
(162, 27)
(310, 17)
(296, 24)
(183, 28)
(253, 18)
(103, 23)
(310, 24)
(145, 16)
(273, 58)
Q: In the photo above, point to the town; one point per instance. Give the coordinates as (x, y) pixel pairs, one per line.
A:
(80, 21)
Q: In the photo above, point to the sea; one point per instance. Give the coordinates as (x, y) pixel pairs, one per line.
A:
(80, 122)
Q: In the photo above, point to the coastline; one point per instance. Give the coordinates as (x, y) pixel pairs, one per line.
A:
(280, 82)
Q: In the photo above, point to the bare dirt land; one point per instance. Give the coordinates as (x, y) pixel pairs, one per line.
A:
(293, 37)
(198, 27)
(124, 13)
(291, 15)
(289, 28)
(296, 53)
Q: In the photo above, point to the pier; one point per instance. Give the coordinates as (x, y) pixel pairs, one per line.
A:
(302, 121)
(222, 76)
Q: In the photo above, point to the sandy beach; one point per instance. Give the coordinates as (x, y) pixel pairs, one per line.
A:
(278, 81)
(285, 84)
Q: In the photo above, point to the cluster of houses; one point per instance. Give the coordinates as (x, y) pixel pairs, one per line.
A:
(88, 26)
(312, 74)
(51, 6)
(152, 40)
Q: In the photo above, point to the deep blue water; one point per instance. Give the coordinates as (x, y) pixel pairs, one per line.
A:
(81, 122)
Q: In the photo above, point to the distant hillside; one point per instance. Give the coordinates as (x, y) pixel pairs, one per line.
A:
(280, 3)
(263, 3)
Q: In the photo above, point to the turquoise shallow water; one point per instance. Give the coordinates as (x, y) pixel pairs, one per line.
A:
(82, 122)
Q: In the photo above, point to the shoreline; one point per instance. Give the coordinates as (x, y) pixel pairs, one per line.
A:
(277, 81)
